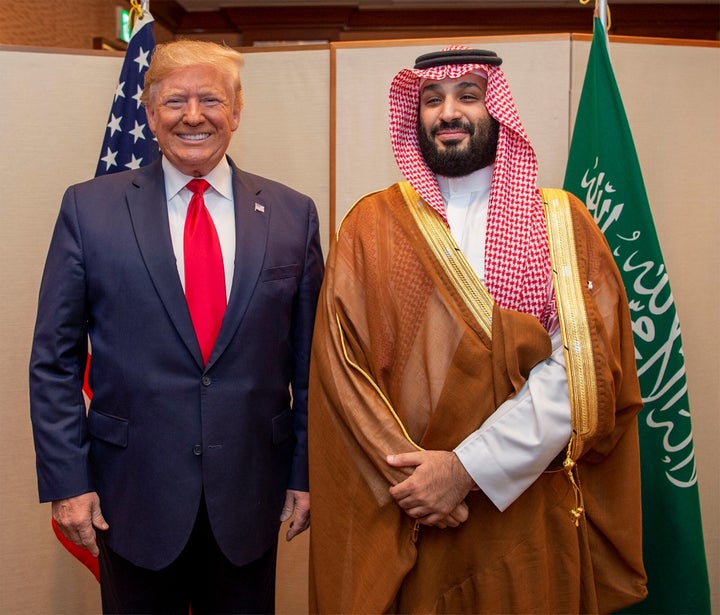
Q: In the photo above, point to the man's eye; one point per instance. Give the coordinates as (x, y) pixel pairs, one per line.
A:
(210, 101)
(173, 103)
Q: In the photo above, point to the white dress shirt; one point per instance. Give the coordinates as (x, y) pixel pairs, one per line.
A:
(513, 447)
(219, 202)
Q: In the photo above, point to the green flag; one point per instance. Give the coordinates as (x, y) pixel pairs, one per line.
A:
(604, 172)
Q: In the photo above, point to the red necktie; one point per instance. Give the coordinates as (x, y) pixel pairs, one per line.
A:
(204, 271)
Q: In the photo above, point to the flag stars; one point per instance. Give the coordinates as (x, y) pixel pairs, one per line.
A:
(109, 159)
(129, 142)
(138, 132)
(135, 163)
(137, 96)
(142, 59)
(114, 124)
(119, 91)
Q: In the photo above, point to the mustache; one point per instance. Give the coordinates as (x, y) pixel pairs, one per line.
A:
(453, 125)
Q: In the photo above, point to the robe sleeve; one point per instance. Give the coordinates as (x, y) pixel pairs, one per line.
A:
(344, 390)
(351, 430)
(523, 436)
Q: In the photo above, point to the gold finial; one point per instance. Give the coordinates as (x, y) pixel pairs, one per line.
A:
(601, 11)
(136, 12)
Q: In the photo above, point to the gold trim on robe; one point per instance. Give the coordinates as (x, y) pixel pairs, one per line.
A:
(450, 256)
(572, 315)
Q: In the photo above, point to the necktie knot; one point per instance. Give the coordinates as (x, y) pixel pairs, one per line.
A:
(197, 186)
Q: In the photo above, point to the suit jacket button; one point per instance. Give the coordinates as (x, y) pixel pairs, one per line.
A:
(197, 449)
(206, 381)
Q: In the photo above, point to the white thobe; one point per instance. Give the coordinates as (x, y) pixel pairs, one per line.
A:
(513, 447)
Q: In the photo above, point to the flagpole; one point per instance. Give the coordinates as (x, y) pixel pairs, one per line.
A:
(602, 10)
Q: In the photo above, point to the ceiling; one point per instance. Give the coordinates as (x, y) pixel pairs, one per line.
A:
(214, 5)
(254, 22)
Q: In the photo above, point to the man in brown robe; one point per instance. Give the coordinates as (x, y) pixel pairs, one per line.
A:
(473, 394)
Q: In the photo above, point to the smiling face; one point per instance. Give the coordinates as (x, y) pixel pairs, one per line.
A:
(456, 133)
(192, 113)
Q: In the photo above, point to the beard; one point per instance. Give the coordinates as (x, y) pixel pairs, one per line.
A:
(455, 160)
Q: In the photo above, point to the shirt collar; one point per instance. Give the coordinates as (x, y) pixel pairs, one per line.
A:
(477, 181)
(220, 178)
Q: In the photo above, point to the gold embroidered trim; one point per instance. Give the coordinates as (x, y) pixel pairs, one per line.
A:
(453, 261)
(374, 385)
(571, 312)
(579, 360)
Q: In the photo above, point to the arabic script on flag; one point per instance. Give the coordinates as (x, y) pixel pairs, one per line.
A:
(656, 326)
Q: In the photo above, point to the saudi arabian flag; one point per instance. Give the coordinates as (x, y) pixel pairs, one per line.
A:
(603, 171)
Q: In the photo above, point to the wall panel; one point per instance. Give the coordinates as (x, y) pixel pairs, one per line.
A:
(53, 110)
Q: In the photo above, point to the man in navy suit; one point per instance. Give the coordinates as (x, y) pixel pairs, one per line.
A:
(188, 459)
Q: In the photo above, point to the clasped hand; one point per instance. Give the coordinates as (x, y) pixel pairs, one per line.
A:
(434, 492)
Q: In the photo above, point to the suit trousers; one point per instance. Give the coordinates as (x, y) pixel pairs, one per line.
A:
(201, 580)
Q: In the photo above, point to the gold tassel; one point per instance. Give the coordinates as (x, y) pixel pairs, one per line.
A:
(571, 470)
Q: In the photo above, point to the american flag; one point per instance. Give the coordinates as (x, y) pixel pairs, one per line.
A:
(128, 142)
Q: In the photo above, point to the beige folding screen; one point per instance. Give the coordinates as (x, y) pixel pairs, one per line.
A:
(316, 118)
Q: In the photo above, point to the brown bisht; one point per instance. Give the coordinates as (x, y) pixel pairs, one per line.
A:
(410, 352)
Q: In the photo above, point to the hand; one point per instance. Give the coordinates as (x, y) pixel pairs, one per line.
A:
(78, 518)
(297, 503)
(434, 493)
(459, 515)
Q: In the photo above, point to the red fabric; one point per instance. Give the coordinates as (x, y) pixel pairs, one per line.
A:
(86, 379)
(83, 555)
(204, 271)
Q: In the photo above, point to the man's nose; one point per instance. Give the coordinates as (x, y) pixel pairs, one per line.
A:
(193, 112)
(450, 110)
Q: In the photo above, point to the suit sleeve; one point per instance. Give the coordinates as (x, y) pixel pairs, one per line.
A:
(57, 364)
(303, 323)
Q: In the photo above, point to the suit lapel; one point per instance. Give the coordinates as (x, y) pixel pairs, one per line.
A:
(147, 204)
(252, 216)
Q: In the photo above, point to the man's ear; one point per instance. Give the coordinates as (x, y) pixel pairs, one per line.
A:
(150, 113)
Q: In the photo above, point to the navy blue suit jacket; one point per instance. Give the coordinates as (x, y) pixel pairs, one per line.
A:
(161, 427)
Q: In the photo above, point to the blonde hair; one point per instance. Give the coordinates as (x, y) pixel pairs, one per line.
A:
(169, 57)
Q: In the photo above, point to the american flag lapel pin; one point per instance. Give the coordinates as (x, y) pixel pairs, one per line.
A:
(260, 208)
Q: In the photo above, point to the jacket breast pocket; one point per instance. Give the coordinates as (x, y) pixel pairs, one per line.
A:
(279, 273)
(108, 428)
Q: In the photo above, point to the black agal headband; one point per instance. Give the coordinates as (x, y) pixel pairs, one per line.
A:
(457, 56)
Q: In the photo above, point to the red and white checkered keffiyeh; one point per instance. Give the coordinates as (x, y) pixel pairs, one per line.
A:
(517, 259)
